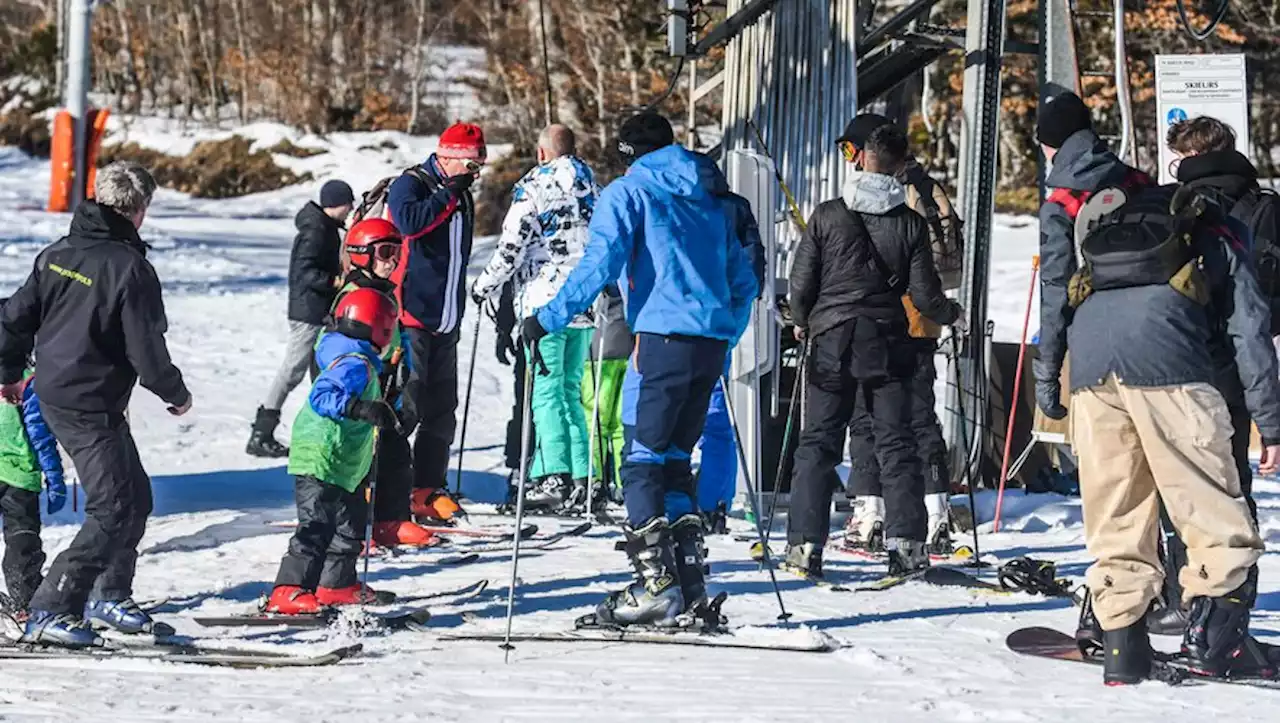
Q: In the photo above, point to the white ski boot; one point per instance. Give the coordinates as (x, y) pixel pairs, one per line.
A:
(655, 597)
(865, 529)
(938, 539)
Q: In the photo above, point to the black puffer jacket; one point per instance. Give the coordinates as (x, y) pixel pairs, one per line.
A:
(314, 264)
(835, 277)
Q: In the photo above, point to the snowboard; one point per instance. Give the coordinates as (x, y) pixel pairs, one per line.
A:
(412, 620)
(730, 638)
(1056, 645)
(188, 654)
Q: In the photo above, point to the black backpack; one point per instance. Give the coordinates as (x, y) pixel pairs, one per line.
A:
(1259, 212)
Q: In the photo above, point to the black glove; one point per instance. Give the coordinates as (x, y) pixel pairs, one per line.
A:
(459, 184)
(504, 346)
(377, 412)
(531, 330)
(1049, 399)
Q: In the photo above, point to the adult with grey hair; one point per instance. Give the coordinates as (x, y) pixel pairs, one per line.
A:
(315, 275)
(93, 312)
(543, 238)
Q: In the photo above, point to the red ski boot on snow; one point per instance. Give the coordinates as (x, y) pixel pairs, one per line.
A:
(292, 600)
(354, 595)
(408, 534)
(431, 506)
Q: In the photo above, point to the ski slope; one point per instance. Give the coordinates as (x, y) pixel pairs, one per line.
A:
(911, 654)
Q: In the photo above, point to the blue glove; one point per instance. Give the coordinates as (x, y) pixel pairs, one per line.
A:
(56, 488)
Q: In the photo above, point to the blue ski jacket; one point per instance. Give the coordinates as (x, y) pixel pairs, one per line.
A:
(686, 270)
(346, 363)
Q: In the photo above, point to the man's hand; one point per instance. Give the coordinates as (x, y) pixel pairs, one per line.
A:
(11, 393)
(459, 183)
(798, 332)
(531, 330)
(961, 324)
(1049, 399)
(184, 408)
(504, 348)
(1270, 462)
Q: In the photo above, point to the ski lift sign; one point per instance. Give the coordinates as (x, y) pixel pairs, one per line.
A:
(1191, 86)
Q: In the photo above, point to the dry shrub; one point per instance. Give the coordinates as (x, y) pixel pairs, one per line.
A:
(287, 147)
(30, 133)
(1018, 200)
(214, 169)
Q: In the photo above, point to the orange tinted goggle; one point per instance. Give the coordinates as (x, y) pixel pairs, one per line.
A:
(848, 150)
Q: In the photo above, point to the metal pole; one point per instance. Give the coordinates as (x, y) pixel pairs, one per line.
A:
(525, 423)
(466, 407)
(595, 437)
(77, 99)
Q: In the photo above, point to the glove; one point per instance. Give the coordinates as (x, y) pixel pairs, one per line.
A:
(378, 413)
(479, 298)
(459, 184)
(1049, 399)
(408, 414)
(961, 324)
(56, 491)
(531, 330)
(504, 346)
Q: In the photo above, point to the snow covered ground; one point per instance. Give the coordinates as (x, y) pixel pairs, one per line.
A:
(912, 654)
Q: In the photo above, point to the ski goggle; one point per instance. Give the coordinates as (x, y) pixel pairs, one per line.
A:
(386, 251)
(848, 150)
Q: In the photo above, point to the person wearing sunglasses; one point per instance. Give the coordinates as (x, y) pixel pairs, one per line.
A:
(315, 269)
(432, 207)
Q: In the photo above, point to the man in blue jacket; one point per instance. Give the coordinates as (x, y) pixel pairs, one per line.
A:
(432, 207)
(689, 284)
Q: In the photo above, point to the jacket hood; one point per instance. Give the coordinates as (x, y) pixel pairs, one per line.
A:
(95, 224)
(1083, 163)
(311, 216)
(566, 172)
(873, 193)
(677, 171)
(335, 344)
(1227, 169)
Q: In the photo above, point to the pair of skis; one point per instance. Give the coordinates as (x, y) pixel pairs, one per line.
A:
(938, 576)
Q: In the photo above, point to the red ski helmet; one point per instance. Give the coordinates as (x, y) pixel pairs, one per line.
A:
(367, 314)
(363, 236)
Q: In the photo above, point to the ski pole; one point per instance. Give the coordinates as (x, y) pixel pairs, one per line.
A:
(368, 518)
(520, 489)
(786, 435)
(595, 439)
(783, 615)
(796, 216)
(1013, 400)
(466, 407)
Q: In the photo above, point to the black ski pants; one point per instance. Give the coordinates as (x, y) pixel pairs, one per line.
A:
(395, 477)
(326, 545)
(513, 448)
(23, 553)
(1174, 550)
(864, 466)
(432, 392)
(101, 560)
(834, 391)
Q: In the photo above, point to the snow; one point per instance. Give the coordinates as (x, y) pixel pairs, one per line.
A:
(911, 654)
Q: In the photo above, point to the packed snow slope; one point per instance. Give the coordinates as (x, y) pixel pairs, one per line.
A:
(914, 653)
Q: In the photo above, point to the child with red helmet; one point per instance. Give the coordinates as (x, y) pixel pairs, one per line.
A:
(373, 253)
(330, 455)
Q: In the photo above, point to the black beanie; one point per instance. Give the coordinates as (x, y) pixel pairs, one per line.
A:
(335, 193)
(643, 133)
(1061, 116)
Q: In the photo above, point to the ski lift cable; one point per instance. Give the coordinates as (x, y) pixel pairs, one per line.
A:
(1204, 33)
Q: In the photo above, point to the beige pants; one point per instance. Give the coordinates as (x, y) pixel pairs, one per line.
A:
(1135, 443)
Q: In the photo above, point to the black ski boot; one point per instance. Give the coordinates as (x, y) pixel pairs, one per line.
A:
(1166, 619)
(717, 521)
(805, 559)
(575, 500)
(906, 556)
(655, 597)
(691, 565)
(1218, 632)
(262, 441)
(1088, 631)
(1128, 655)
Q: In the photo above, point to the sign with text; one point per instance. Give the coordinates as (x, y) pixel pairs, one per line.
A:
(1190, 86)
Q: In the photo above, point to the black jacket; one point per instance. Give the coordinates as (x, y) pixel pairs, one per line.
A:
(314, 264)
(834, 275)
(92, 308)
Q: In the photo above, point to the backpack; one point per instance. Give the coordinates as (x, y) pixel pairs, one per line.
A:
(373, 203)
(947, 248)
(1259, 213)
(1144, 237)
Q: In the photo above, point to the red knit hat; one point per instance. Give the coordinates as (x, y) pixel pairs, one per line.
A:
(463, 141)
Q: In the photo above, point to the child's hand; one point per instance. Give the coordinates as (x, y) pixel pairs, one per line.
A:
(56, 490)
(378, 413)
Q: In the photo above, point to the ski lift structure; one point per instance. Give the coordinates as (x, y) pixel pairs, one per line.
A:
(794, 72)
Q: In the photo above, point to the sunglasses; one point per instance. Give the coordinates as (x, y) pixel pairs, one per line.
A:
(474, 167)
(848, 150)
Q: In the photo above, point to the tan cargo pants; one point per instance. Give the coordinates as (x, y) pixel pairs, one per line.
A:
(1135, 443)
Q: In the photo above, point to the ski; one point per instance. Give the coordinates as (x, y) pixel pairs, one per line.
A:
(536, 543)
(1053, 644)
(816, 642)
(188, 654)
(415, 620)
(456, 595)
(497, 533)
(962, 556)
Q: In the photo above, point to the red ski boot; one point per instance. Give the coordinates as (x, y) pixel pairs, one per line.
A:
(409, 534)
(354, 595)
(434, 507)
(292, 600)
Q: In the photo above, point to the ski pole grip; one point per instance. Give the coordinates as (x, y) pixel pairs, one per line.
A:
(1035, 261)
